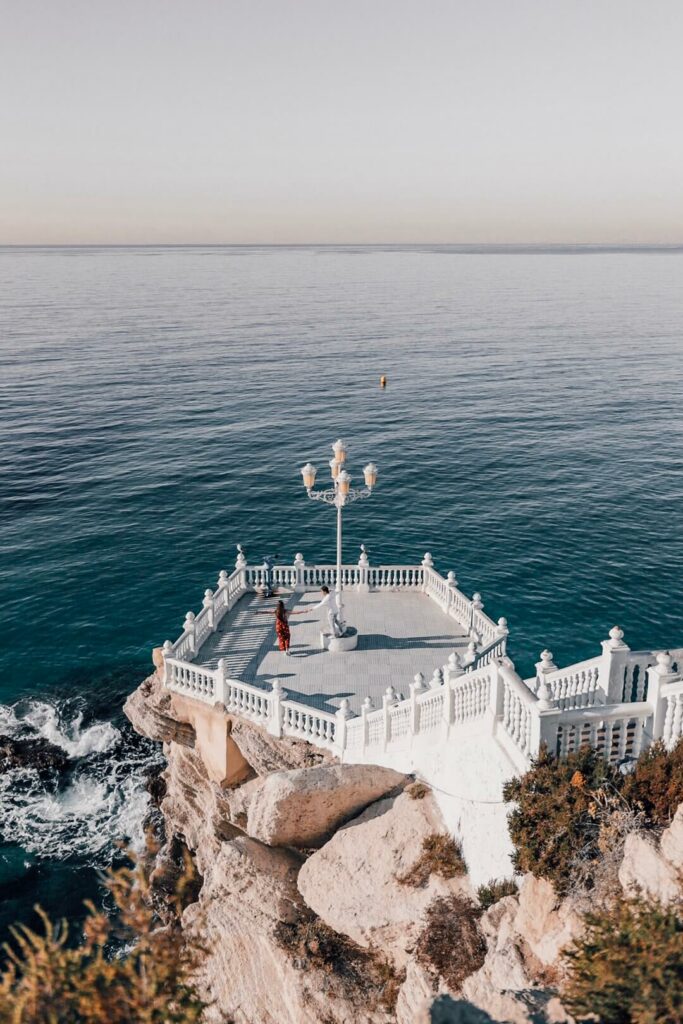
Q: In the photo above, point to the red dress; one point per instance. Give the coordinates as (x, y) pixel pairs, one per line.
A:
(282, 630)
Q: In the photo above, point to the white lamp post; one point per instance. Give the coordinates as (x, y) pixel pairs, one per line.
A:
(341, 494)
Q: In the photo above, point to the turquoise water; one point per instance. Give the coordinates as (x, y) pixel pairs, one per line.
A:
(156, 403)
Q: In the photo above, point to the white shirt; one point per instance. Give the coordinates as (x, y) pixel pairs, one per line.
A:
(329, 602)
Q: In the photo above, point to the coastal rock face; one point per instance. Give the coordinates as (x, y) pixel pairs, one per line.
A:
(354, 882)
(149, 710)
(304, 806)
(34, 752)
(546, 923)
(671, 843)
(268, 754)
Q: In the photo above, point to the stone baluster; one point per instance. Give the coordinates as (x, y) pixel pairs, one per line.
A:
(427, 564)
(388, 701)
(208, 603)
(657, 677)
(222, 693)
(451, 671)
(241, 560)
(451, 584)
(276, 718)
(363, 565)
(503, 633)
(166, 652)
(543, 689)
(222, 597)
(365, 709)
(342, 716)
(613, 666)
(470, 655)
(476, 606)
(416, 687)
(299, 566)
(190, 629)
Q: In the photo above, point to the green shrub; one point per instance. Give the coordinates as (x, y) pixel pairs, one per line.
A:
(441, 855)
(628, 967)
(554, 821)
(495, 890)
(656, 784)
(451, 942)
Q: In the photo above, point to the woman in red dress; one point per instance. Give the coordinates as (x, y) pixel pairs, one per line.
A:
(281, 625)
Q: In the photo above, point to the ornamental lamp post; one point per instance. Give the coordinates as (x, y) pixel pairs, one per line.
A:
(339, 495)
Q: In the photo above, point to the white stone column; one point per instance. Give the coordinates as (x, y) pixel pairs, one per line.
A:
(416, 687)
(543, 668)
(299, 566)
(451, 584)
(363, 564)
(503, 633)
(241, 560)
(189, 627)
(209, 605)
(166, 652)
(427, 564)
(366, 708)
(470, 655)
(275, 720)
(476, 606)
(613, 666)
(222, 693)
(342, 716)
(388, 701)
(657, 676)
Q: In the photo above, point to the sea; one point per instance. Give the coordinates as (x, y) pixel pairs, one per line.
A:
(156, 404)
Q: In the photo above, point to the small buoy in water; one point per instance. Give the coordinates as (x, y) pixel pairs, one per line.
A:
(383, 381)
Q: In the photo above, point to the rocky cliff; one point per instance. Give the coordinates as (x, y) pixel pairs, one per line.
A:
(331, 894)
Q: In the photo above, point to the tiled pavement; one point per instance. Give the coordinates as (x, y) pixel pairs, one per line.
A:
(400, 633)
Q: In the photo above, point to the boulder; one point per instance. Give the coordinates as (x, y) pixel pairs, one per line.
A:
(644, 869)
(266, 753)
(249, 895)
(353, 884)
(304, 806)
(37, 753)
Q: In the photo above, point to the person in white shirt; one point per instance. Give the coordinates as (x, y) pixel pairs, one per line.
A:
(330, 603)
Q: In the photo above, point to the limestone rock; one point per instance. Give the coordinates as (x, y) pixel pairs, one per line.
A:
(543, 921)
(352, 882)
(32, 752)
(149, 711)
(248, 892)
(445, 1010)
(671, 843)
(302, 807)
(267, 753)
(416, 995)
(645, 870)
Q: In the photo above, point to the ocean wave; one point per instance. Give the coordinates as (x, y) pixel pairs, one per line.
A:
(86, 812)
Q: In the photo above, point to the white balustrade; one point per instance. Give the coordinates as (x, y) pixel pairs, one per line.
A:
(615, 731)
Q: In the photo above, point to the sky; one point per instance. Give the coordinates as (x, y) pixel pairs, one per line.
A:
(341, 121)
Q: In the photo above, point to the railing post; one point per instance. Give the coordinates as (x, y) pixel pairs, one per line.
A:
(189, 627)
(417, 686)
(470, 655)
(427, 564)
(477, 605)
(388, 700)
(276, 710)
(299, 566)
(342, 715)
(496, 692)
(241, 560)
(503, 633)
(166, 652)
(613, 666)
(221, 683)
(365, 709)
(222, 584)
(451, 584)
(208, 604)
(657, 676)
(544, 723)
(543, 668)
(363, 563)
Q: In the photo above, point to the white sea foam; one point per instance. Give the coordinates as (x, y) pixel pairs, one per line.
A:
(101, 802)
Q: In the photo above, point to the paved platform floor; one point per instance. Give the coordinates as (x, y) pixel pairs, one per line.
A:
(400, 633)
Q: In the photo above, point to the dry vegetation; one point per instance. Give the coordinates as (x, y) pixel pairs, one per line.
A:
(417, 790)
(45, 980)
(441, 855)
(451, 942)
(365, 976)
(495, 890)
